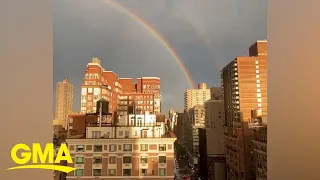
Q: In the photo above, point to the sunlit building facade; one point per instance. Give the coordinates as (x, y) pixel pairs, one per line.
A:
(244, 82)
(144, 95)
(135, 147)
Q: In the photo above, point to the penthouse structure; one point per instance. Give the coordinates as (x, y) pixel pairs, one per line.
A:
(144, 95)
(134, 146)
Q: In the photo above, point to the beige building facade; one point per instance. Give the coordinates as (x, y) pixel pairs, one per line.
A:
(64, 102)
(194, 97)
(214, 125)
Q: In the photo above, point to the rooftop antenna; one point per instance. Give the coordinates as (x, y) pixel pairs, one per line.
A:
(100, 113)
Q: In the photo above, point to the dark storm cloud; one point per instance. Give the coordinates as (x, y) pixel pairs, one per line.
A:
(206, 35)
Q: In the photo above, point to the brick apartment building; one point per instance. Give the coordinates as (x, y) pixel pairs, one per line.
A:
(99, 83)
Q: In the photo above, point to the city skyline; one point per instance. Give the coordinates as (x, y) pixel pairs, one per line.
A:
(205, 45)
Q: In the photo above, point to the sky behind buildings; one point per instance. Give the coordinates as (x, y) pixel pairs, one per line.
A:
(205, 34)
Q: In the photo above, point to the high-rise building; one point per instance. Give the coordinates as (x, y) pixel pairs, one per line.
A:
(182, 123)
(214, 126)
(196, 117)
(260, 152)
(216, 93)
(133, 147)
(122, 93)
(194, 97)
(64, 101)
(244, 83)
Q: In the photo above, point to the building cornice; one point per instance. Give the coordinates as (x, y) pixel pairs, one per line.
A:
(117, 141)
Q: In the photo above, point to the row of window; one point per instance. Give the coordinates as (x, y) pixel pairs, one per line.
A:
(148, 97)
(126, 147)
(125, 160)
(92, 76)
(126, 134)
(148, 86)
(125, 172)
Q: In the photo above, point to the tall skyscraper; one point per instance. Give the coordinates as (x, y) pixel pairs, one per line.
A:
(244, 82)
(245, 85)
(64, 101)
(198, 96)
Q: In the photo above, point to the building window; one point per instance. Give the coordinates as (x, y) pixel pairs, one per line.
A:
(111, 172)
(97, 148)
(96, 97)
(79, 172)
(112, 147)
(96, 172)
(162, 147)
(108, 135)
(112, 160)
(126, 135)
(127, 147)
(97, 160)
(143, 172)
(96, 134)
(80, 148)
(79, 160)
(144, 134)
(162, 159)
(120, 133)
(143, 147)
(127, 160)
(162, 172)
(127, 172)
(143, 159)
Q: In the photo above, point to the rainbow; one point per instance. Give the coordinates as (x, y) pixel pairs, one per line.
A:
(155, 33)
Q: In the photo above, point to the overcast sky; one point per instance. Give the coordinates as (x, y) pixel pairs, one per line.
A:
(206, 34)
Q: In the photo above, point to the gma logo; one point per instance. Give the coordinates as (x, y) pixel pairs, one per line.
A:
(41, 159)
